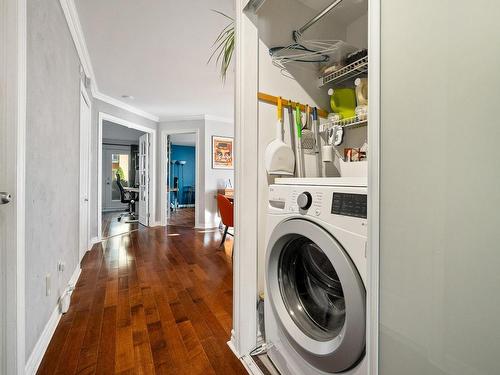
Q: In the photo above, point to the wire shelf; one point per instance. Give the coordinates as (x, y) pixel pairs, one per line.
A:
(348, 123)
(352, 70)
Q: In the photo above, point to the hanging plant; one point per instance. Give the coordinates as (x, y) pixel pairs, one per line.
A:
(223, 47)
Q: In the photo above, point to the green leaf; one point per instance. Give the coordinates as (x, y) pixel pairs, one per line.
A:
(223, 47)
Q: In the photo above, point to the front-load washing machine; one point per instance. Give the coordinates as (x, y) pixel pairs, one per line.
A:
(315, 305)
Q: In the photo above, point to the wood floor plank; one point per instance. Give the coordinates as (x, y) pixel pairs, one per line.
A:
(107, 343)
(72, 347)
(148, 303)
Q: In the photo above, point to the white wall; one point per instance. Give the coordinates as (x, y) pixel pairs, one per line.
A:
(215, 178)
(271, 81)
(52, 162)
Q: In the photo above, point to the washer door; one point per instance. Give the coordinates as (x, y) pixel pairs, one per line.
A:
(317, 295)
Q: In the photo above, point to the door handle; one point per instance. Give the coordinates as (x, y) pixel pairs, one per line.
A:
(5, 197)
(85, 199)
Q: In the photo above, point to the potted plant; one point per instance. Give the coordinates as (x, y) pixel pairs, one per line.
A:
(223, 47)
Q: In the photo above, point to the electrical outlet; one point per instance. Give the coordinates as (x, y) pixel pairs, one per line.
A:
(60, 266)
(47, 285)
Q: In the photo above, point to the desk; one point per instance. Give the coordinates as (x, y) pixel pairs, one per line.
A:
(131, 189)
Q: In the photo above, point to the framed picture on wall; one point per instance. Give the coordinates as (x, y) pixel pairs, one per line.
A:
(222, 152)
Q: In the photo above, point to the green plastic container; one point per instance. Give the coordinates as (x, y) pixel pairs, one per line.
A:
(343, 102)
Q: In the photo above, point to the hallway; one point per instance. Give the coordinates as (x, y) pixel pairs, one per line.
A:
(183, 217)
(151, 301)
(112, 227)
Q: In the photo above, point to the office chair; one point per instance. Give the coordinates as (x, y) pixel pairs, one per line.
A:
(128, 198)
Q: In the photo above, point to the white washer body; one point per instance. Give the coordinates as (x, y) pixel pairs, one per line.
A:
(290, 348)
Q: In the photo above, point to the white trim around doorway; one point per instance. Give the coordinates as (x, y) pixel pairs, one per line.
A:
(152, 163)
(373, 254)
(163, 177)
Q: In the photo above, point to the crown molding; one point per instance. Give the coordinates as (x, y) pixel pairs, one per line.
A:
(228, 120)
(197, 117)
(182, 118)
(117, 103)
(75, 28)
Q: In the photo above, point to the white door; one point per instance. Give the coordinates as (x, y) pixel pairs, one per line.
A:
(116, 159)
(144, 179)
(12, 136)
(85, 121)
(439, 188)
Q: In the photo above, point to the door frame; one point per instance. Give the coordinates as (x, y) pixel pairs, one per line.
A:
(373, 201)
(163, 178)
(86, 96)
(103, 116)
(13, 43)
(243, 336)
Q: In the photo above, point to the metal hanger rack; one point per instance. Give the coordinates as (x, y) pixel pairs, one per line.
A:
(271, 99)
(305, 53)
(312, 21)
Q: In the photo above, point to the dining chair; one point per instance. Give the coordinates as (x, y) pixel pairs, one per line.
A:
(226, 209)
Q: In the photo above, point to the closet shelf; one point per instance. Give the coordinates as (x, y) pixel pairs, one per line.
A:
(348, 123)
(352, 70)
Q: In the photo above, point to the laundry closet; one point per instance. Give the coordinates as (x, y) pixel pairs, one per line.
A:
(312, 155)
(342, 34)
(423, 241)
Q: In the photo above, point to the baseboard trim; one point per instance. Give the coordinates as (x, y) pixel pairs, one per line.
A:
(95, 240)
(186, 205)
(206, 226)
(76, 275)
(43, 342)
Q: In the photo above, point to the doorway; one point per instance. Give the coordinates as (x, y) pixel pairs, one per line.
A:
(126, 176)
(116, 162)
(180, 178)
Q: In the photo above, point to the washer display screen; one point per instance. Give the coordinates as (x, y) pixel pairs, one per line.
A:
(349, 204)
(311, 289)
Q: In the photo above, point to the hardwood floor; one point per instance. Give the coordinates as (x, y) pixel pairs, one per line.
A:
(183, 217)
(154, 301)
(111, 226)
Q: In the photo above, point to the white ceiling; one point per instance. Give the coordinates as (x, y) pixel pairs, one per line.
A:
(157, 51)
(183, 139)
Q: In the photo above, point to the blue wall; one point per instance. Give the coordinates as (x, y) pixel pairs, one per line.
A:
(187, 153)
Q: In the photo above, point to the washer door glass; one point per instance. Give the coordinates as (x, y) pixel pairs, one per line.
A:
(311, 289)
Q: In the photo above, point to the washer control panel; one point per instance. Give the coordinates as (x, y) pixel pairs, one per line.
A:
(319, 201)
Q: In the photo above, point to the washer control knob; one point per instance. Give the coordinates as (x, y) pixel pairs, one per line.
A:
(304, 200)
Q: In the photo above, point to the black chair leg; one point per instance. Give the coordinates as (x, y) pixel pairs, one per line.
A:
(224, 236)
